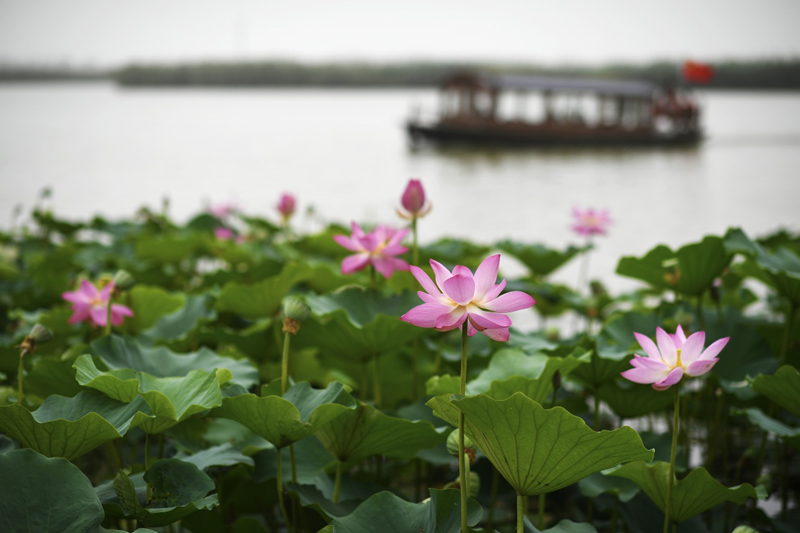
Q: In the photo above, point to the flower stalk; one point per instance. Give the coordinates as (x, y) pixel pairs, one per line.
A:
(462, 467)
(337, 485)
(520, 513)
(671, 480)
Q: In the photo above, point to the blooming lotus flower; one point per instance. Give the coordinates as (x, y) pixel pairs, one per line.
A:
(375, 248)
(413, 201)
(674, 357)
(286, 206)
(227, 234)
(89, 303)
(459, 296)
(223, 210)
(590, 222)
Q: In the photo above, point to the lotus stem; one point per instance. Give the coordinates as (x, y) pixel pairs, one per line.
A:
(671, 480)
(161, 440)
(293, 464)
(20, 374)
(373, 281)
(462, 467)
(414, 247)
(108, 317)
(787, 333)
(414, 370)
(541, 510)
(596, 417)
(493, 498)
(615, 515)
(520, 513)
(376, 379)
(147, 464)
(337, 485)
(285, 363)
(279, 482)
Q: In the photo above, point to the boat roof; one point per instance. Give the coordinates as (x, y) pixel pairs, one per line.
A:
(547, 83)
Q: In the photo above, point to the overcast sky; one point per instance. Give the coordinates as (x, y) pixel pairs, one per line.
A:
(112, 32)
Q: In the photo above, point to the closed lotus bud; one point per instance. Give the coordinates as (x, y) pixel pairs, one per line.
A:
(474, 484)
(286, 206)
(123, 280)
(413, 199)
(40, 334)
(295, 308)
(452, 443)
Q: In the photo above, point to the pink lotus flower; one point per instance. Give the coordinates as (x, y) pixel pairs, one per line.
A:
(590, 222)
(92, 304)
(460, 296)
(227, 234)
(286, 206)
(375, 248)
(223, 210)
(413, 201)
(674, 357)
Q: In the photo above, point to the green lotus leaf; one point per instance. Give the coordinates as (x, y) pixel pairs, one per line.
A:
(366, 431)
(296, 415)
(178, 490)
(451, 252)
(170, 248)
(355, 323)
(263, 299)
(512, 370)
(512, 434)
(171, 399)
(697, 265)
(148, 304)
(695, 493)
(564, 526)
(221, 455)
(540, 260)
(780, 269)
(596, 484)
(120, 353)
(758, 418)
(41, 495)
(177, 324)
(630, 400)
(783, 388)
(52, 376)
(388, 513)
(69, 427)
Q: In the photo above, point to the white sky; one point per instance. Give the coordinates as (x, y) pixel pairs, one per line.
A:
(112, 32)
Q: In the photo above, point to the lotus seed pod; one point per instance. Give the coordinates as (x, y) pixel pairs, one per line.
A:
(123, 280)
(40, 334)
(452, 443)
(295, 308)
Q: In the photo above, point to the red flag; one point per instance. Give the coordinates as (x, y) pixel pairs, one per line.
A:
(697, 72)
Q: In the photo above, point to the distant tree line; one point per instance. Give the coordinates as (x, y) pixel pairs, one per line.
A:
(773, 74)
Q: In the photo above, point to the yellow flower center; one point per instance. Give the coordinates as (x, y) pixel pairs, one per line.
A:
(679, 363)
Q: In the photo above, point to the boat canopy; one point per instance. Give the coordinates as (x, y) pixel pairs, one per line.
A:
(499, 82)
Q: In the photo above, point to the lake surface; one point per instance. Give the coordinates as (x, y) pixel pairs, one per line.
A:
(109, 150)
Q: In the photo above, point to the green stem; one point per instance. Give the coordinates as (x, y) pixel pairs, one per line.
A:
(541, 511)
(596, 418)
(671, 480)
(373, 281)
(462, 466)
(520, 513)
(161, 446)
(279, 481)
(376, 381)
(337, 486)
(147, 463)
(787, 333)
(414, 369)
(108, 316)
(415, 247)
(20, 375)
(615, 515)
(285, 363)
(493, 498)
(293, 464)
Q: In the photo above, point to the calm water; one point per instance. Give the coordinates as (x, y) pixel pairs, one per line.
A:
(108, 150)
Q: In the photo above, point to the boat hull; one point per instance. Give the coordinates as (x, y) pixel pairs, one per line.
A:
(493, 135)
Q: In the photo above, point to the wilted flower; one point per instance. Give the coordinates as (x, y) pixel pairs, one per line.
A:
(674, 357)
(89, 303)
(376, 248)
(413, 201)
(590, 222)
(458, 296)
(286, 206)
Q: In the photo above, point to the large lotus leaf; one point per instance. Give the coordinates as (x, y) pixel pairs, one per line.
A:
(564, 526)
(69, 427)
(540, 260)
(41, 495)
(52, 376)
(698, 264)
(366, 431)
(757, 417)
(539, 450)
(596, 484)
(781, 268)
(170, 248)
(692, 495)
(263, 299)
(171, 399)
(288, 419)
(631, 401)
(388, 513)
(451, 252)
(176, 325)
(148, 305)
(119, 353)
(178, 490)
(225, 454)
(783, 388)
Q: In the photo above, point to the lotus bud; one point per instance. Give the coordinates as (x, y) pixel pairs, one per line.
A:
(286, 206)
(294, 312)
(123, 280)
(413, 200)
(474, 482)
(552, 334)
(452, 443)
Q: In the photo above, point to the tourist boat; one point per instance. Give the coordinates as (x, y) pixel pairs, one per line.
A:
(515, 110)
